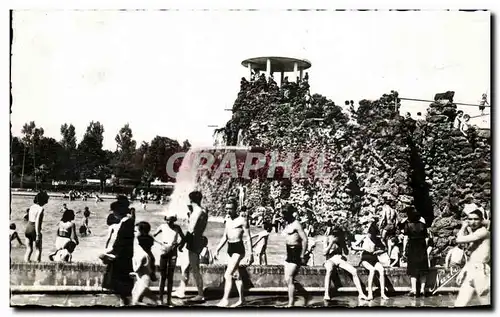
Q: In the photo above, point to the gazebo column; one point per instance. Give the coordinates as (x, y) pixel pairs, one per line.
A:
(301, 72)
(249, 71)
(268, 68)
(282, 78)
(296, 69)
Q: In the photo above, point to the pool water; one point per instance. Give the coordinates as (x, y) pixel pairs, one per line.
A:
(91, 246)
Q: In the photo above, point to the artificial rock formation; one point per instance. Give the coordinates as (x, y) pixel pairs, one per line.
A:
(374, 156)
(456, 170)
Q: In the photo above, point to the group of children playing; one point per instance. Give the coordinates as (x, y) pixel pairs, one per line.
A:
(171, 239)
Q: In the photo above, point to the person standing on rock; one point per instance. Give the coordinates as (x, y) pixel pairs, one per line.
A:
(475, 277)
(236, 227)
(119, 259)
(296, 246)
(194, 240)
(33, 231)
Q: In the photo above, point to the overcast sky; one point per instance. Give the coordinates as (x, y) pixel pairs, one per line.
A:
(173, 73)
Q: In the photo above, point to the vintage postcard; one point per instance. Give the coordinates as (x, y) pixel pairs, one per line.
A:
(250, 158)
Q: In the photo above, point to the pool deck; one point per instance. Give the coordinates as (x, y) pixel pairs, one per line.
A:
(264, 301)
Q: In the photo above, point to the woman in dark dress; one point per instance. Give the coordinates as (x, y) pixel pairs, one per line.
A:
(415, 248)
(116, 277)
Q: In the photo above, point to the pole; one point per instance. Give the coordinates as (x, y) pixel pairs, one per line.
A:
(34, 167)
(22, 170)
(456, 103)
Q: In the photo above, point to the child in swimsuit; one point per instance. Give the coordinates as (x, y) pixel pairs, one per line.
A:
(206, 256)
(146, 242)
(113, 226)
(455, 258)
(170, 238)
(84, 228)
(260, 250)
(14, 235)
(66, 254)
(142, 265)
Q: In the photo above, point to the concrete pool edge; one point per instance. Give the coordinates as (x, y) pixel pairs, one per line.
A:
(87, 277)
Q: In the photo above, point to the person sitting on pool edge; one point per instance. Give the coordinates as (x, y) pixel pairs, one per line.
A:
(335, 251)
(370, 261)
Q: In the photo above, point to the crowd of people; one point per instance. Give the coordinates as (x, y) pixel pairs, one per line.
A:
(130, 263)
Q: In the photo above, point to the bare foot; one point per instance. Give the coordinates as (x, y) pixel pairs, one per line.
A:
(179, 294)
(326, 297)
(238, 303)
(384, 296)
(197, 299)
(307, 298)
(370, 297)
(362, 297)
(223, 303)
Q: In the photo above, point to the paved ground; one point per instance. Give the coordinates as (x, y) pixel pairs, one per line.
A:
(274, 300)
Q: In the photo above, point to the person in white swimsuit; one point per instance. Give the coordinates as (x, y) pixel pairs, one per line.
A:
(33, 231)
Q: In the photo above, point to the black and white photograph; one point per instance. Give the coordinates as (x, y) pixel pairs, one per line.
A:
(240, 159)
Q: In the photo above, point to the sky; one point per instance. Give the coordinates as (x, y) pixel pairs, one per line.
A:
(172, 73)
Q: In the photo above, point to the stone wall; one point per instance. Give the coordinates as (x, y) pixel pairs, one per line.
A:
(46, 277)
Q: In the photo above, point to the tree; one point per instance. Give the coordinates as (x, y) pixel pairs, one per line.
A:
(50, 158)
(159, 152)
(124, 142)
(17, 152)
(90, 155)
(68, 155)
(123, 163)
(68, 140)
(31, 137)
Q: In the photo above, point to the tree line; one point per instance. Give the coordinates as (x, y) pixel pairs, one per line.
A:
(35, 157)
